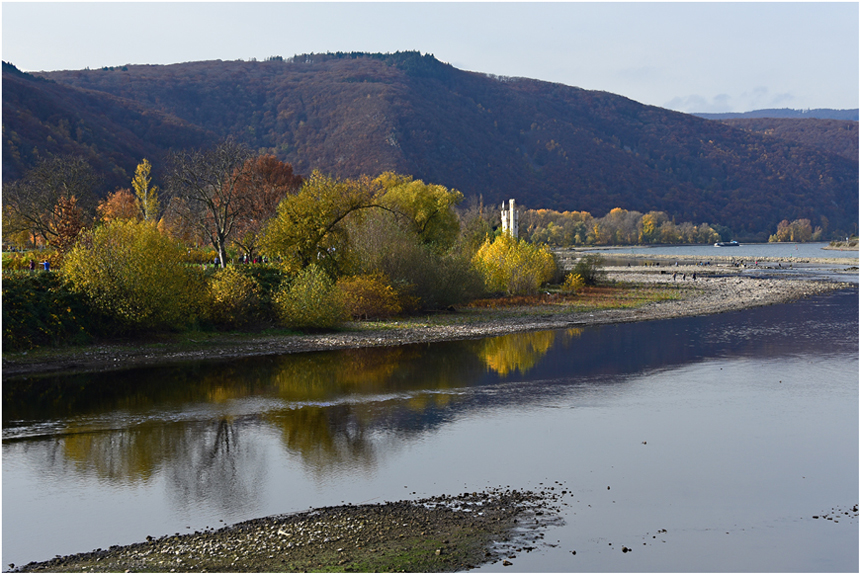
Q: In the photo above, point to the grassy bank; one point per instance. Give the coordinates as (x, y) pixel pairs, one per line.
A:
(452, 324)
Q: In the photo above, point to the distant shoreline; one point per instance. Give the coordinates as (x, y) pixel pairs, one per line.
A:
(844, 246)
(719, 252)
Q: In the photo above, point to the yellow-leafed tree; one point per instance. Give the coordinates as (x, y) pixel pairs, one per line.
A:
(147, 195)
(429, 208)
(134, 273)
(310, 226)
(513, 266)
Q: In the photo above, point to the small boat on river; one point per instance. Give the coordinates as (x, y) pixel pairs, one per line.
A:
(727, 244)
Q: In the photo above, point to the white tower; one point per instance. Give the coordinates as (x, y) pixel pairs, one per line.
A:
(510, 219)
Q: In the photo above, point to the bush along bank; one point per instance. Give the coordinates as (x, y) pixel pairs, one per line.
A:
(39, 309)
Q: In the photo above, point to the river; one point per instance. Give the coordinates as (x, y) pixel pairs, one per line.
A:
(704, 444)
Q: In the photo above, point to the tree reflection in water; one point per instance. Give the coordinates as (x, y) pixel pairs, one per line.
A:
(213, 464)
(127, 455)
(520, 351)
(331, 409)
(326, 436)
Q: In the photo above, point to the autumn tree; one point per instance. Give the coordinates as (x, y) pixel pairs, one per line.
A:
(310, 227)
(428, 208)
(121, 204)
(649, 226)
(132, 272)
(799, 230)
(514, 266)
(147, 194)
(208, 185)
(619, 227)
(264, 183)
(35, 203)
(70, 222)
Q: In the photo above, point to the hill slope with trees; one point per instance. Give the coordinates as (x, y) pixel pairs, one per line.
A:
(548, 145)
(838, 137)
(43, 118)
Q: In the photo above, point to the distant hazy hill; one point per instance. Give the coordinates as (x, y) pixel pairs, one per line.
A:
(548, 145)
(786, 113)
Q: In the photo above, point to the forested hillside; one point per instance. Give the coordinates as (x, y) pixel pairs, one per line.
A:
(548, 145)
(839, 137)
(43, 118)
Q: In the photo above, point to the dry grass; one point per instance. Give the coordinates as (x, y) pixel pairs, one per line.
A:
(621, 296)
(613, 296)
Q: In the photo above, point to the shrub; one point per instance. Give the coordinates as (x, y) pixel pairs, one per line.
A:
(310, 301)
(426, 279)
(514, 266)
(369, 296)
(423, 276)
(134, 273)
(39, 309)
(573, 282)
(590, 269)
(235, 299)
(268, 278)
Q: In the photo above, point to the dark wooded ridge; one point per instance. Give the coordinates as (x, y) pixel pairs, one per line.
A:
(549, 145)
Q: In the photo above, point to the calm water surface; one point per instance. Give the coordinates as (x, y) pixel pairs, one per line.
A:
(730, 432)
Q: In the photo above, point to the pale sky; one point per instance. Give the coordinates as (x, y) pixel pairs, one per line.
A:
(690, 57)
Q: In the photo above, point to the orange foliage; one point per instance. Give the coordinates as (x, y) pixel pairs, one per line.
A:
(120, 204)
(70, 222)
(264, 183)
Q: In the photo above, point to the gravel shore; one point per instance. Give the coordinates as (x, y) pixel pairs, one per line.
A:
(717, 288)
(440, 534)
